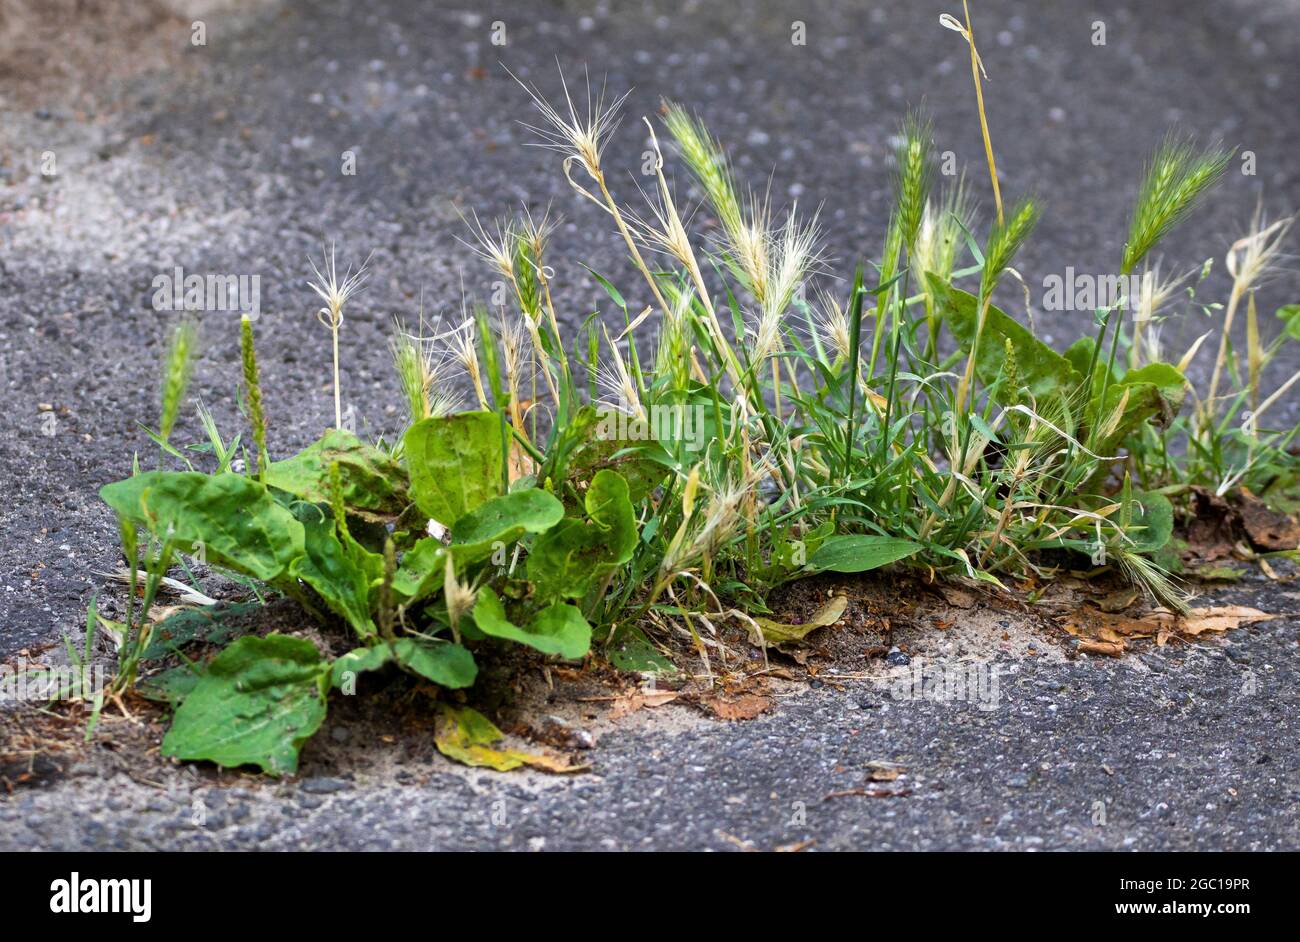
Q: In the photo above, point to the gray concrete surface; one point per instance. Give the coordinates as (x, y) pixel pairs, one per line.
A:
(227, 160)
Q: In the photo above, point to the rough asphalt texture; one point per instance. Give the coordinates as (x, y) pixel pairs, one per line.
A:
(230, 163)
(1183, 748)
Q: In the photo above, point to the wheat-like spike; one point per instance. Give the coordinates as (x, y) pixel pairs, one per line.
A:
(1005, 240)
(1177, 176)
(495, 245)
(335, 294)
(178, 367)
(707, 162)
(913, 176)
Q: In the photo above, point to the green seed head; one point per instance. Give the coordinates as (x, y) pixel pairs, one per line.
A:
(177, 370)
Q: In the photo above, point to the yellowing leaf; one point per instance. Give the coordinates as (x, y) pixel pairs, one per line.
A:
(775, 632)
(466, 735)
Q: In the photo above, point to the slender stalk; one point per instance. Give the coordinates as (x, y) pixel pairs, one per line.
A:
(855, 343)
(979, 102)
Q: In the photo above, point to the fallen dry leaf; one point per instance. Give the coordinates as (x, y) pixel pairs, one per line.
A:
(1111, 648)
(1210, 533)
(743, 707)
(1103, 633)
(883, 771)
(775, 632)
(1219, 618)
(638, 700)
(957, 597)
(1269, 530)
(1119, 601)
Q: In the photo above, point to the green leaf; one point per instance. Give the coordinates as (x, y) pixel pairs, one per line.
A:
(557, 629)
(171, 686)
(860, 553)
(258, 701)
(1153, 524)
(1079, 354)
(238, 523)
(446, 664)
(455, 463)
(610, 290)
(213, 624)
(340, 572)
(565, 561)
(1040, 368)
(422, 571)
(358, 661)
(1289, 315)
(634, 652)
(373, 483)
(503, 520)
(442, 662)
(610, 507)
(581, 448)
(1154, 392)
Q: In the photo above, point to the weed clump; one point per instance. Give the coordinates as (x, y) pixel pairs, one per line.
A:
(724, 438)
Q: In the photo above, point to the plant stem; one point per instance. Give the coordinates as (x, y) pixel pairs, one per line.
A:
(338, 409)
(855, 342)
(979, 101)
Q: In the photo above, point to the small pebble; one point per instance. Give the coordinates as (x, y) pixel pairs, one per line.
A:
(896, 658)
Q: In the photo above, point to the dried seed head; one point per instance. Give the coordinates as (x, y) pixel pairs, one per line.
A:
(333, 292)
(1251, 257)
(832, 324)
(494, 245)
(578, 138)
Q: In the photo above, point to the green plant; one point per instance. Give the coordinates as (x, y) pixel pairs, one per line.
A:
(609, 482)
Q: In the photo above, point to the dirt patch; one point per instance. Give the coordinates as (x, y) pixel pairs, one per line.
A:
(889, 628)
(386, 732)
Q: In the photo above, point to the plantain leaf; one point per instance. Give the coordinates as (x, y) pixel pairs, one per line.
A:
(231, 520)
(503, 520)
(632, 651)
(212, 624)
(442, 662)
(373, 483)
(344, 670)
(341, 572)
(566, 560)
(466, 736)
(455, 463)
(623, 445)
(256, 704)
(1153, 524)
(422, 570)
(446, 664)
(1154, 392)
(557, 629)
(171, 686)
(1040, 368)
(775, 632)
